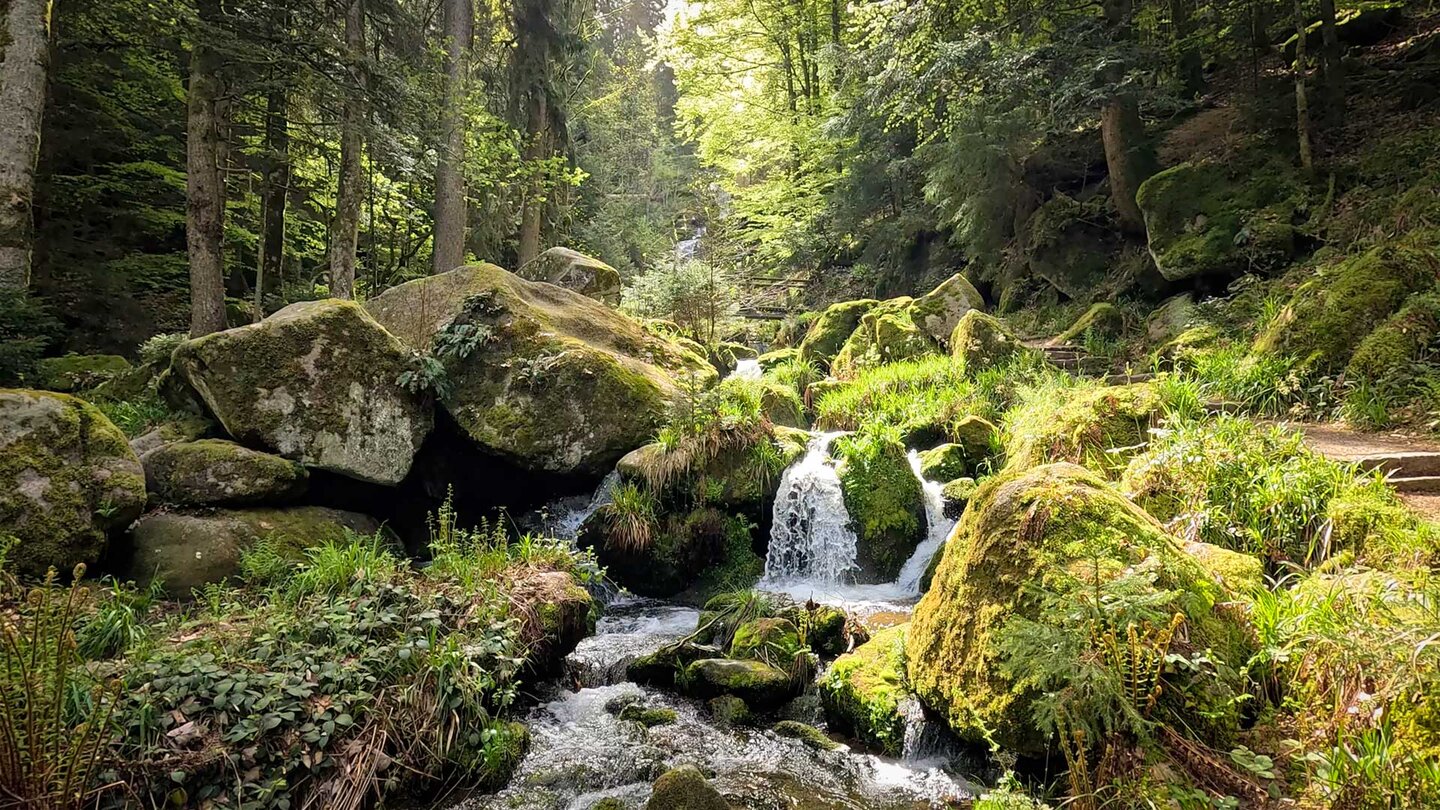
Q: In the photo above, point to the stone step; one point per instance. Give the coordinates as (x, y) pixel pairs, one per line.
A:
(1417, 484)
(1126, 379)
(1408, 465)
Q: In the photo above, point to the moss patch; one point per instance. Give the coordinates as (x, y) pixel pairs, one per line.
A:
(1401, 339)
(883, 498)
(1100, 427)
(981, 341)
(214, 471)
(76, 372)
(809, 735)
(829, 331)
(885, 334)
(1103, 320)
(863, 690)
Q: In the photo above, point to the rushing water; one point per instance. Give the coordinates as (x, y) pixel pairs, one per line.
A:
(748, 370)
(937, 529)
(563, 517)
(810, 536)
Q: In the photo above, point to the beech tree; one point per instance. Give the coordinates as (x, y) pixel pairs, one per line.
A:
(450, 204)
(22, 106)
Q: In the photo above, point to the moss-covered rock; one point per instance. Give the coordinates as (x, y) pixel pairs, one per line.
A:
(770, 360)
(214, 471)
(1211, 218)
(685, 788)
(180, 429)
(811, 736)
(943, 463)
(186, 550)
(771, 639)
(684, 549)
(1100, 427)
(728, 710)
(1103, 320)
(940, 310)
(647, 716)
(552, 381)
(1238, 572)
(977, 443)
(67, 477)
(884, 500)
(1329, 315)
(760, 685)
(1401, 339)
(828, 332)
(1070, 244)
(574, 270)
(317, 382)
(1055, 528)
(556, 612)
(957, 494)
(981, 341)
(78, 372)
(863, 690)
(885, 335)
(825, 627)
(1169, 320)
(664, 666)
(739, 351)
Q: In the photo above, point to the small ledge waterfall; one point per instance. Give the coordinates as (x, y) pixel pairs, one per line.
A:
(937, 529)
(747, 370)
(810, 538)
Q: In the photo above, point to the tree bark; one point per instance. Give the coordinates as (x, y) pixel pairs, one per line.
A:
(345, 231)
(204, 188)
(1302, 99)
(22, 107)
(449, 248)
(1129, 158)
(1331, 65)
(1188, 64)
(532, 217)
(271, 268)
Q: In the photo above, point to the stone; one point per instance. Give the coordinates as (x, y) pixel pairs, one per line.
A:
(78, 372)
(728, 710)
(182, 429)
(685, 788)
(885, 334)
(1170, 320)
(574, 270)
(214, 471)
(828, 332)
(762, 639)
(1103, 320)
(67, 478)
(761, 686)
(188, 550)
(770, 360)
(1071, 245)
(317, 382)
(981, 341)
(804, 732)
(1398, 341)
(1100, 427)
(939, 311)
(863, 691)
(647, 716)
(548, 379)
(557, 614)
(884, 500)
(957, 494)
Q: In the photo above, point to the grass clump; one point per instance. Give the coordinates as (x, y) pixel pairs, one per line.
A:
(1080, 421)
(882, 496)
(923, 398)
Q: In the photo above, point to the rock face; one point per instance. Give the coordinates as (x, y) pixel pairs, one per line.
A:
(214, 471)
(318, 383)
(981, 341)
(830, 331)
(863, 690)
(544, 377)
(187, 550)
(67, 477)
(574, 270)
(1055, 527)
(1068, 245)
(939, 311)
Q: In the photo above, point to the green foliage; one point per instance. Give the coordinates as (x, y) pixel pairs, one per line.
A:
(26, 329)
(119, 621)
(137, 415)
(157, 349)
(630, 517)
(696, 295)
(882, 495)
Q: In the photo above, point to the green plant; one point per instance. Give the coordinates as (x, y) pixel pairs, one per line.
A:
(118, 621)
(26, 329)
(135, 416)
(346, 565)
(157, 349)
(630, 518)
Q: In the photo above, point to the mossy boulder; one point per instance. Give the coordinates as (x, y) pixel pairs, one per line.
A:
(1103, 320)
(647, 716)
(1169, 320)
(662, 667)
(807, 734)
(728, 710)
(739, 351)
(863, 690)
(685, 788)
(552, 381)
(574, 270)
(956, 495)
(937, 312)
(1100, 427)
(1238, 572)
(770, 360)
(762, 686)
(884, 500)
(772, 639)
(187, 550)
(1400, 340)
(977, 442)
(78, 372)
(556, 612)
(825, 627)
(944, 463)
(67, 478)
(317, 382)
(215, 471)
(1056, 528)
(981, 341)
(1221, 219)
(829, 331)
(885, 334)
(180, 429)
(1328, 315)
(684, 548)
(1070, 244)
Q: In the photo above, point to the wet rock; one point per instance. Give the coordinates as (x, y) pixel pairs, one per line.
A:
(766, 638)
(884, 501)
(685, 788)
(829, 332)
(728, 710)
(809, 735)
(648, 717)
(214, 471)
(574, 270)
(863, 690)
(760, 685)
(67, 478)
(957, 493)
(1103, 320)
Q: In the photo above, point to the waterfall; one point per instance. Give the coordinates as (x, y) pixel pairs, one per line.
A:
(810, 538)
(938, 528)
(565, 517)
(747, 370)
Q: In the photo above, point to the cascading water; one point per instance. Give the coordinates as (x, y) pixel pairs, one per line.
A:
(938, 528)
(748, 370)
(563, 518)
(810, 537)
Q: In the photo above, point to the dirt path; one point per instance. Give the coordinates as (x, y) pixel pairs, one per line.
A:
(1412, 462)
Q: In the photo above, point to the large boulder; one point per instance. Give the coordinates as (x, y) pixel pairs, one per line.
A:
(544, 377)
(938, 312)
(186, 550)
(981, 341)
(886, 334)
(1054, 530)
(67, 477)
(1401, 339)
(1071, 245)
(884, 500)
(863, 692)
(318, 382)
(215, 471)
(828, 332)
(574, 270)
(1100, 427)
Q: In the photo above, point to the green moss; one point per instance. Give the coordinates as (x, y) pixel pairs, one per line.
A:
(760, 685)
(938, 311)
(1052, 529)
(1329, 315)
(1070, 244)
(981, 341)
(1240, 573)
(863, 690)
(768, 640)
(769, 360)
(685, 788)
(1401, 339)
(1100, 427)
(214, 471)
(75, 372)
(976, 444)
(739, 351)
(809, 735)
(883, 498)
(944, 463)
(648, 717)
(958, 491)
(1103, 320)
(885, 334)
(729, 710)
(1217, 219)
(828, 333)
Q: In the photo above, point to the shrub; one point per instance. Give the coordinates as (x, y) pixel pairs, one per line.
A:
(630, 518)
(26, 329)
(157, 349)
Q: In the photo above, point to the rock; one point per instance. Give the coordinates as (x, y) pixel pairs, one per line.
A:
(575, 271)
(182, 429)
(549, 380)
(1169, 320)
(648, 717)
(1221, 219)
(214, 471)
(739, 351)
(980, 341)
(1071, 245)
(683, 548)
(760, 685)
(1103, 320)
(885, 334)
(978, 442)
(1100, 427)
(1239, 573)
(685, 788)
(957, 494)
(863, 690)
(761, 639)
(828, 333)
(770, 360)
(804, 732)
(187, 550)
(317, 382)
(943, 463)
(1329, 315)
(78, 372)
(1056, 527)
(1401, 339)
(939, 311)
(728, 710)
(661, 667)
(824, 627)
(557, 614)
(128, 385)
(67, 477)
(884, 500)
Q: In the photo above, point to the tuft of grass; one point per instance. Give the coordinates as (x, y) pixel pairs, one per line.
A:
(119, 620)
(630, 518)
(344, 566)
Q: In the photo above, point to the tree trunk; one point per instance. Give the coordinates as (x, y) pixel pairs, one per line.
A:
(1331, 65)
(532, 218)
(204, 189)
(449, 248)
(1129, 158)
(1188, 64)
(270, 274)
(345, 231)
(1302, 99)
(22, 106)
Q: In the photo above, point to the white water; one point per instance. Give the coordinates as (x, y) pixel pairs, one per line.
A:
(748, 370)
(563, 518)
(810, 537)
(937, 528)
